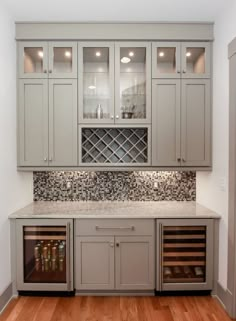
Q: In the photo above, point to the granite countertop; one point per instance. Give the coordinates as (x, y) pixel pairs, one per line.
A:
(114, 209)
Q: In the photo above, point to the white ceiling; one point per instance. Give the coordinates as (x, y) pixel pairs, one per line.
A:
(116, 10)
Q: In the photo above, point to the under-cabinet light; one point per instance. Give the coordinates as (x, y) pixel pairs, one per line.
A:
(125, 60)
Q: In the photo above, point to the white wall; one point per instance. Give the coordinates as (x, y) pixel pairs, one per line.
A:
(212, 188)
(15, 188)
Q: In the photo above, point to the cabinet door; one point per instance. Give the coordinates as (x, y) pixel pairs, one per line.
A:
(94, 263)
(184, 254)
(62, 60)
(133, 83)
(166, 60)
(62, 122)
(196, 60)
(134, 263)
(33, 59)
(196, 123)
(33, 122)
(166, 122)
(96, 82)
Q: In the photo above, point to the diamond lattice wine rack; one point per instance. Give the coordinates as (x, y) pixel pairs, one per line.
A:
(119, 146)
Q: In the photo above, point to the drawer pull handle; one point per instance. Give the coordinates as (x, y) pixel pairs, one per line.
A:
(114, 228)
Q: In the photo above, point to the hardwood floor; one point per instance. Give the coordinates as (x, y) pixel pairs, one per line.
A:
(191, 308)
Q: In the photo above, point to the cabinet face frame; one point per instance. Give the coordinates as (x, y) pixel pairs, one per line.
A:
(110, 165)
(20, 284)
(207, 124)
(21, 63)
(177, 126)
(208, 284)
(81, 46)
(64, 44)
(109, 242)
(52, 112)
(132, 44)
(166, 44)
(207, 47)
(22, 126)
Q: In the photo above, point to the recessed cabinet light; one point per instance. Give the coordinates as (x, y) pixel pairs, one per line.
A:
(68, 54)
(188, 54)
(161, 54)
(98, 53)
(131, 53)
(125, 60)
(40, 53)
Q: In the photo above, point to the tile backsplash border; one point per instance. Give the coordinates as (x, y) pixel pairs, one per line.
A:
(114, 186)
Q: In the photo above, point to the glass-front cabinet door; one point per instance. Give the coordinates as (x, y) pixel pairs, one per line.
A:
(166, 60)
(62, 60)
(33, 59)
(96, 82)
(196, 60)
(133, 82)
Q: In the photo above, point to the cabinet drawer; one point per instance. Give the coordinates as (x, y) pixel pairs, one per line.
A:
(114, 227)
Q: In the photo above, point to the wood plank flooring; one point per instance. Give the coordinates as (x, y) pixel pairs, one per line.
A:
(188, 308)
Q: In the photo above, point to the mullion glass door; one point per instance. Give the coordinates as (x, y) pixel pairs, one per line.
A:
(44, 254)
(133, 89)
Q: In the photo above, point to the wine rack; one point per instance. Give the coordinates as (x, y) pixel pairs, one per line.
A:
(183, 254)
(114, 146)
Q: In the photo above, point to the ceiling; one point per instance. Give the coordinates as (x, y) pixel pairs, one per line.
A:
(116, 10)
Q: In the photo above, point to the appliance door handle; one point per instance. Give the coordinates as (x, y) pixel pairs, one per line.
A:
(68, 274)
(132, 228)
(161, 256)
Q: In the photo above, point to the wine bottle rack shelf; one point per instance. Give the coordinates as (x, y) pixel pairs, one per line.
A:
(115, 145)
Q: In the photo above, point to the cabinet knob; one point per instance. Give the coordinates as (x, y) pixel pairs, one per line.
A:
(183, 160)
(111, 244)
(178, 71)
(45, 71)
(45, 159)
(50, 159)
(117, 116)
(178, 159)
(184, 71)
(112, 117)
(50, 71)
(117, 244)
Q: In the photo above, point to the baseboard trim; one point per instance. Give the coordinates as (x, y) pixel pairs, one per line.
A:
(5, 297)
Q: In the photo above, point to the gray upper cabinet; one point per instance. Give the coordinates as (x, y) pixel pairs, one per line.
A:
(96, 82)
(63, 122)
(133, 82)
(196, 122)
(181, 128)
(166, 149)
(62, 60)
(181, 60)
(47, 59)
(33, 59)
(166, 61)
(33, 122)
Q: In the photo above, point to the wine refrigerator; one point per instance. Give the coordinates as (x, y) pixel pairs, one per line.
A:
(185, 254)
(44, 255)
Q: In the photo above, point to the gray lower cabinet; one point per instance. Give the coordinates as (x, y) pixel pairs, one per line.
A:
(47, 122)
(181, 122)
(114, 255)
(185, 254)
(94, 262)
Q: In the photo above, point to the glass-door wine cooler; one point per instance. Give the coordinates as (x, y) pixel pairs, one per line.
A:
(44, 255)
(185, 254)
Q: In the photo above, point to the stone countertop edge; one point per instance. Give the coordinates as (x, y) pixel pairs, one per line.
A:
(114, 209)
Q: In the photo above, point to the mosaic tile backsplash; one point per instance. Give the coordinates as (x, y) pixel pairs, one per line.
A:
(114, 186)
